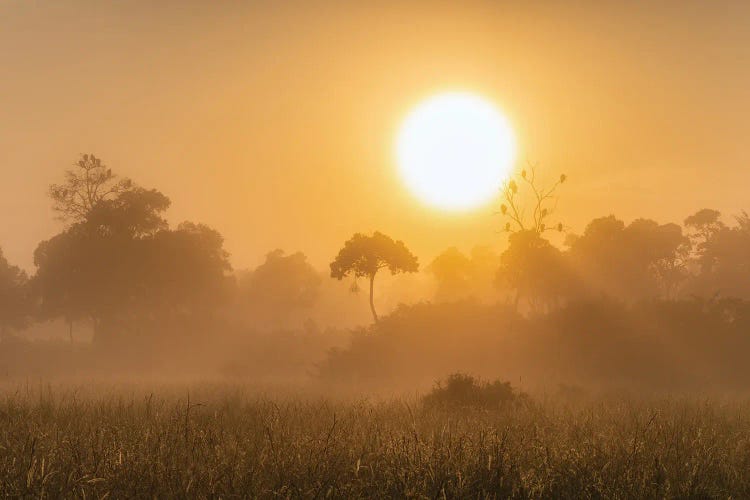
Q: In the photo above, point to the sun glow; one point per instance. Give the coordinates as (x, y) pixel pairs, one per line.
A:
(454, 150)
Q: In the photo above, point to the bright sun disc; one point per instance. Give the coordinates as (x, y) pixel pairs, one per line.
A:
(454, 150)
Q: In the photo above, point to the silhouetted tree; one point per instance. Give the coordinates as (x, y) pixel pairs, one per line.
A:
(15, 299)
(542, 200)
(363, 256)
(534, 269)
(631, 262)
(531, 266)
(184, 270)
(85, 186)
(452, 271)
(461, 276)
(724, 260)
(282, 284)
(134, 213)
(120, 265)
(89, 270)
(704, 225)
(61, 282)
(665, 250)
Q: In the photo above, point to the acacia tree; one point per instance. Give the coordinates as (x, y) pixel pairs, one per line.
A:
(85, 186)
(363, 256)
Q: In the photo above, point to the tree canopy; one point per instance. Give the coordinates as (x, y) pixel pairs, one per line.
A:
(280, 287)
(460, 276)
(641, 260)
(722, 256)
(86, 185)
(287, 280)
(119, 264)
(534, 269)
(15, 297)
(363, 256)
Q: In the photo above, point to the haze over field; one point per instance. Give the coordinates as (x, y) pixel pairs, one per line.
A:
(413, 249)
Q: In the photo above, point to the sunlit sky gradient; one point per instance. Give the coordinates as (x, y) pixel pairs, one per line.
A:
(275, 122)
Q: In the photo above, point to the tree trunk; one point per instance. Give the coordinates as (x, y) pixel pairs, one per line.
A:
(372, 303)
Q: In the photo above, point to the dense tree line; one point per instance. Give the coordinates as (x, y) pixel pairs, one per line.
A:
(659, 345)
(119, 266)
(637, 261)
(642, 260)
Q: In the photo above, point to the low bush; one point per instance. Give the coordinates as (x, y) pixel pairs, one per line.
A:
(460, 390)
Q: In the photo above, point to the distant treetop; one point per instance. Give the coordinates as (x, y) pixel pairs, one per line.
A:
(85, 186)
(542, 200)
(363, 256)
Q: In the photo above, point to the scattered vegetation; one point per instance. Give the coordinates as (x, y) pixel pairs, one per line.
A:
(641, 306)
(650, 347)
(460, 390)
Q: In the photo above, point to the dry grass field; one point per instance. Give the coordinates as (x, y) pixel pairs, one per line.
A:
(222, 440)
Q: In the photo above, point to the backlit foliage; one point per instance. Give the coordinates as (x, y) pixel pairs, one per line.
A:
(363, 256)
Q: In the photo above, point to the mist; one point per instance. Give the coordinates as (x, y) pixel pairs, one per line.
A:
(346, 250)
(641, 306)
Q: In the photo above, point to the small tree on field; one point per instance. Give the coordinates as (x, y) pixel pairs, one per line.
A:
(363, 256)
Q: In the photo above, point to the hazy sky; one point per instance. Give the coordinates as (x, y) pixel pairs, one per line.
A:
(274, 122)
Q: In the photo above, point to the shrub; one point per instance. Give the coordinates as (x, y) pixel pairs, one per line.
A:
(460, 390)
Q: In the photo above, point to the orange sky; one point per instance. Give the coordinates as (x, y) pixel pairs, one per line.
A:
(274, 122)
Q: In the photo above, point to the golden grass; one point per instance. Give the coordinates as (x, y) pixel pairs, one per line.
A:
(225, 441)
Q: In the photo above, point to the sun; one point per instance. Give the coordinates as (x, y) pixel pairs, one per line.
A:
(454, 150)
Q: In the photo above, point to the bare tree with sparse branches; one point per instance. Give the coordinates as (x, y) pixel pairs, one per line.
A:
(543, 200)
(89, 183)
